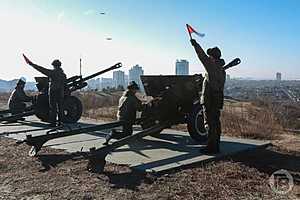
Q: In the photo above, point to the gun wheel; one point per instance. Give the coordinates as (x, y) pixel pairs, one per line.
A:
(195, 125)
(41, 107)
(72, 109)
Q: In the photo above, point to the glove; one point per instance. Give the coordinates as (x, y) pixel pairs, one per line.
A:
(27, 60)
(193, 42)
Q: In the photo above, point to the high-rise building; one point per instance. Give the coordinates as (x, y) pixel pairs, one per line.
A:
(92, 84)
(182, 67)
(227, 77)
(278, 76)
(126, 80)
(135, 75)
(106, 83)
(119, 78)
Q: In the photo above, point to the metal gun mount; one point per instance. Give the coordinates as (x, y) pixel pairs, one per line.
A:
(178, 103)
(72, 105)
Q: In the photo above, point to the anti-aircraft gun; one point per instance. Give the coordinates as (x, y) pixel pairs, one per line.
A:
(72, 106)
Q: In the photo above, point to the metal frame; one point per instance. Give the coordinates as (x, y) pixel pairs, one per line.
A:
(97, 156)
(38, 141)
(17, 116)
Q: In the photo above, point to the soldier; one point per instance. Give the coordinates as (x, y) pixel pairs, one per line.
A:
(18, 97)
(56, 89)
(212, 93)
(129, 104)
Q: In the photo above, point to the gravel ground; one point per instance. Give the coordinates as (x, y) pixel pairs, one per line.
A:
(58, 175)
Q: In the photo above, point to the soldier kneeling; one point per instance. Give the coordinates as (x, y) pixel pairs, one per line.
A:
(129, 104)
(18, 97)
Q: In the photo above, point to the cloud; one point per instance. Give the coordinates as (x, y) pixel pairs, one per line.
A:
(60, 16)
(89, 12)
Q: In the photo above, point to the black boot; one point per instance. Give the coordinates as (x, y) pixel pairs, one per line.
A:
(209, 151)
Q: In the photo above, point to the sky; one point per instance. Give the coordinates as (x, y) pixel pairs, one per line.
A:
(264, 34)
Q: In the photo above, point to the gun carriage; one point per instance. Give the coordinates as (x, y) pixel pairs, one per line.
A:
(177, 102)
(72, 106)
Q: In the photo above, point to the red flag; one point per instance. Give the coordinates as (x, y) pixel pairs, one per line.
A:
(27, 60)
(192, 30)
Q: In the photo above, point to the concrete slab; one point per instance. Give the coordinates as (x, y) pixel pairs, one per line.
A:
(171, 150)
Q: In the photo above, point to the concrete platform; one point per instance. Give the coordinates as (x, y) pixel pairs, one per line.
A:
(171, 150)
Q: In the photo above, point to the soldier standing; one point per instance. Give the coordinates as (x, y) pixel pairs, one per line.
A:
(212, 93)
(18, 97)
(56, 89)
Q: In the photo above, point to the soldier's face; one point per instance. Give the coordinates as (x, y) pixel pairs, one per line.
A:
(212, 59)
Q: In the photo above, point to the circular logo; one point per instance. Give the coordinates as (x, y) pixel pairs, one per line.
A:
(281, 182)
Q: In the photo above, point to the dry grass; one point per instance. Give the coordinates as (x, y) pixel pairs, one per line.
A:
(287, 113)
(248, 121)
(239, 119)
(99, 105)
(104, 113)
(4, 96)
(94, 100)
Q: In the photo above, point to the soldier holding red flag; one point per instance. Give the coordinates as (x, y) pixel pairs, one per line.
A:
(212, 92)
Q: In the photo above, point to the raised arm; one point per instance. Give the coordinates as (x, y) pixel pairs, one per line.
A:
(201, 54)
(43, 70)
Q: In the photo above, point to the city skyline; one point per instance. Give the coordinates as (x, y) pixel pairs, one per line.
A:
(45, 30)
(119, 78)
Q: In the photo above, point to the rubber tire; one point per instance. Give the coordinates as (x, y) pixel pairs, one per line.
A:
(72, 109)
(42, 107)
(195, 124)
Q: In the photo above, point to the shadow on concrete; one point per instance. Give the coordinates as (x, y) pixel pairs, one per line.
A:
(177, 143)
(185, 147)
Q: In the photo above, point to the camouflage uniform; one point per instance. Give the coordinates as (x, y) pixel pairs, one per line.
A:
(16, 100)
(56, 91)
(212, 96)
(129, 104)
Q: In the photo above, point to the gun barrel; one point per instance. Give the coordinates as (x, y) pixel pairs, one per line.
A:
(73, 78)
(116, 66)
(233, 63)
